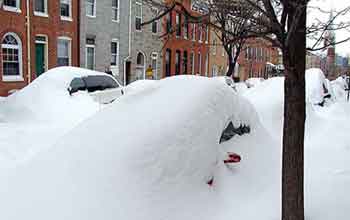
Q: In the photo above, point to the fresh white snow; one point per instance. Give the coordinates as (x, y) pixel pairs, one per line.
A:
(149, 155)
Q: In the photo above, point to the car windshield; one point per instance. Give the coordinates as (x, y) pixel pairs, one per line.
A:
(92, 84)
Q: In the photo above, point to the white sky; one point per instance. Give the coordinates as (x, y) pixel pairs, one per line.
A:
(327, 5)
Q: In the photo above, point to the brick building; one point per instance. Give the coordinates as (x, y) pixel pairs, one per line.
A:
(186, 46)
(51, 40)
(218, 59)
(255, 59)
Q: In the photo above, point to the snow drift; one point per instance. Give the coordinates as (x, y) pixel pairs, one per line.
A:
(146, 156)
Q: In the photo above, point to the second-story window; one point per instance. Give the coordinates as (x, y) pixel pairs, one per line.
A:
(186, 27)
(90, 7)
(40, 7)
(155, 22)
(12, 5)
(66, 8)
(115, 10)
(138, 16)
(178, 25)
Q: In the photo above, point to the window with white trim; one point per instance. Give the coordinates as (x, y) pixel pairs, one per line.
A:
(66, 9)
(90, 8)
(11, 57)
(114, 53)
(192, 63)
(64, 51)
(40, 7)
(90, 54)
(138, 16)
(12, 5)
(115, 10)
(178, 25)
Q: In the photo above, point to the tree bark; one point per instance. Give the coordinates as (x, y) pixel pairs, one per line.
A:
(294, 54)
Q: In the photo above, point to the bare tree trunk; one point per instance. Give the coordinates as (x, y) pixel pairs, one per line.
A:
(231, 66)
(294, 125)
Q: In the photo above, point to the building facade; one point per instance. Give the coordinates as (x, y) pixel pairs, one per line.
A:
(104, 36)
(186, 45)
(218, 59)
(146, 44)
(30, 45)
(255, 60)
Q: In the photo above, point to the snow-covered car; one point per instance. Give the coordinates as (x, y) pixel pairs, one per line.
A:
(161, 142)
(251, 82)
(318, 89)
(103, 88)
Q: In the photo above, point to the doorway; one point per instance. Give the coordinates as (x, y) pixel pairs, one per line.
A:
(40, 55)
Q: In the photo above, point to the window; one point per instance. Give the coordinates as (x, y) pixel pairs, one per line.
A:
(200, 33)
(199, 63)
(184, 63)
(192, 63)
(214, 47)
(177, 62)
(63, 51)
(155, 22)
(154, 58)
(168, 62)
(115, 10)
(12, 5)
(206, 34)
(65, 6)
(206, 64)
(11, 57)
(193, 32)
(186, 26)
(138, 16)
(114, 53)
(90, 53)
(178, 25)
(169, 23)
(90, 7)
(40, 7)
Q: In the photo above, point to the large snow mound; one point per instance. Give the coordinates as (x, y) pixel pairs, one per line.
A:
(145, 157)
(36, 116)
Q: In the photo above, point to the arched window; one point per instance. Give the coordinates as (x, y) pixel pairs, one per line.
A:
(11, 57)
(140, 66)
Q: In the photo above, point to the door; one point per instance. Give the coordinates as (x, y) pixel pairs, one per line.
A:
(40, 66)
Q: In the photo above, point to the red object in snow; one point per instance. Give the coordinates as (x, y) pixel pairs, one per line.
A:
(232, 158)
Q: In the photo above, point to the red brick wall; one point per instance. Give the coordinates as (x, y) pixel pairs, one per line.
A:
(180, 44)
(256, 67)
(51, 26)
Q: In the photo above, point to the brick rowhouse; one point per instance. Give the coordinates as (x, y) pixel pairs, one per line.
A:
(186, 46)
(47, 26)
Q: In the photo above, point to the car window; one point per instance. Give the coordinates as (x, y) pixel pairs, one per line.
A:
(230, 131)
(94, 83)
(76, 85)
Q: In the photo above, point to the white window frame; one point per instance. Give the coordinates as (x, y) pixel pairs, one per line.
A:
(206, 34)
(200, 32)
(155, 22)
(46, 42)
(42, 14)
(87, 46)
(118, 9)
(138, 4)
(194, 32)
(67, 18)
(16, 9)
(19, 77)
(154, 56)
(214, 47)
(116, 66)
(94, 10)
(69, 47)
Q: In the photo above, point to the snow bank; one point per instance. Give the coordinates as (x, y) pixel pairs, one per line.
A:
(315, 86)
(251, 82)
(143, 157)
(41, 113)
(339, 86)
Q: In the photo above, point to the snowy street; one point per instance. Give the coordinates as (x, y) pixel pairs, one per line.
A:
(150, 153)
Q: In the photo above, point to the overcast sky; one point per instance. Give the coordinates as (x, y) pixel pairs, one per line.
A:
(327, 5)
